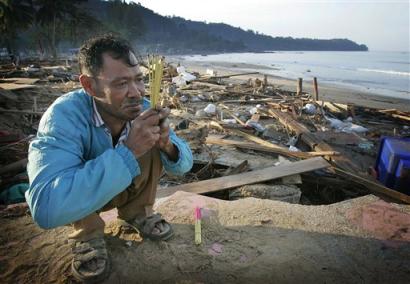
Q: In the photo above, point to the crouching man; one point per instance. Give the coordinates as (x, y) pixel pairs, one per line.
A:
(102, 147)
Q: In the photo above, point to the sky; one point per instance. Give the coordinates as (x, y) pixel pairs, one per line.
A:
(381, 25)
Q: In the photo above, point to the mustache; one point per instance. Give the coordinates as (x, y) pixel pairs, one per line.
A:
(132, 102)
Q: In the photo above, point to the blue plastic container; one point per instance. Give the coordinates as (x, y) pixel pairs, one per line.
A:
(402, 177)
(393, 163)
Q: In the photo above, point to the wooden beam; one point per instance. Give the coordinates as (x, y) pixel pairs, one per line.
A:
(232, 181)
(251, 146)
(17, 80)
(231, 75)
(233, 115)
(258, 101)
(316, 90)
(375, 187)
(14, 86)
(2, 110)
(265, 82)
(342, 165)
(311, 140)
(299, 87)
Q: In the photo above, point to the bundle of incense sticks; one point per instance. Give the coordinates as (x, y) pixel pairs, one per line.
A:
(198, 238)
(156, 68)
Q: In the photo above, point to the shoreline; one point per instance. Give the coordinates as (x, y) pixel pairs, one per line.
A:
(327, 91)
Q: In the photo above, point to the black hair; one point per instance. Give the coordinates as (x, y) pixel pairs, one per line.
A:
(90, 56)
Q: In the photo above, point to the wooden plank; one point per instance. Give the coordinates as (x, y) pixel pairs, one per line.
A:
(14, 86)
(256, 101)
(17, 80)
(316, 90)
(375, 187)
(242, 167)
(212, 139)
(232, 181)
(342, 164)
(400, 116)
(2, 110)
(232, 75)
(299, 87)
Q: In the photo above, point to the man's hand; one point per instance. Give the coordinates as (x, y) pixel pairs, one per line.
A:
(165, 144)
(144, 133)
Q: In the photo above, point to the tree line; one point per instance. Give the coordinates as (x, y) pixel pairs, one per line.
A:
(41, 26)
(47, 26)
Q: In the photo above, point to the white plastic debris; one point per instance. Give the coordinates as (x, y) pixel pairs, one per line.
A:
(183, 99)
(253, 110)
(180, 69)
(292, 141)
(345, 126)
(179, 81)
(182, 77)
(187, 76)
(366, 145)
(200, 113)
(210, 109)
(229, 120)
(31, 69)
(293, 149)
(335, 123)
(201, 97)
(210, 72)
(355, 128)
(309, 109)
(255, 125)
(195, 99)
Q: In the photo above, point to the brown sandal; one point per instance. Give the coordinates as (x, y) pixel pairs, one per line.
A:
(146, 225)
(90, 262)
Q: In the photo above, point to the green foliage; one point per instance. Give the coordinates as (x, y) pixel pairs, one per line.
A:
(124, 19)
(52, 14)
(14, 16)
(48, 24)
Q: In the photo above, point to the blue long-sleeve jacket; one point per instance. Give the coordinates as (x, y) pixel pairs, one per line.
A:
(74, 169)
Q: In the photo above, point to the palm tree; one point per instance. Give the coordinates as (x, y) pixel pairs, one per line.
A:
(14, 15)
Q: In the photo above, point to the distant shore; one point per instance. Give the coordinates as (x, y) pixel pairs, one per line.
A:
(327, 92)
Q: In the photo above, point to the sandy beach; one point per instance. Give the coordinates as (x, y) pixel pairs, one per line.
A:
(327, 92)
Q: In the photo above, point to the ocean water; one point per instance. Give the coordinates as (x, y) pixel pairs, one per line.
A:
(379, 72)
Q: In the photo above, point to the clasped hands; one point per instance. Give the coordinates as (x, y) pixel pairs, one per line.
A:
(151, 128)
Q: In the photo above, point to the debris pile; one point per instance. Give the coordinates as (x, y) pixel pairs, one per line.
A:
(235, 129)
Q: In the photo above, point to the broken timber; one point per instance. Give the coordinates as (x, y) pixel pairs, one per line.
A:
(212, 139)
(342, 165)
(232, 181)
(232, 75)
(315, 143)
(374, 186)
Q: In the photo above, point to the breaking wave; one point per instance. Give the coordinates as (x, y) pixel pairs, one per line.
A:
(392, 72)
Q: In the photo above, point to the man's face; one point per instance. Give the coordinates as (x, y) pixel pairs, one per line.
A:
(119, 89)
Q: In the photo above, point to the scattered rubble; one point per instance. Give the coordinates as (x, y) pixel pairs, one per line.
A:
(252, 116)
(252, 142)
